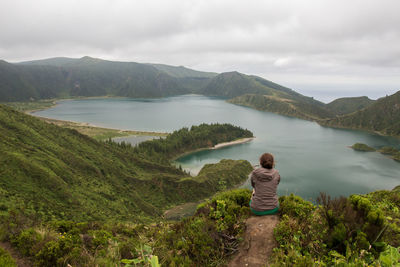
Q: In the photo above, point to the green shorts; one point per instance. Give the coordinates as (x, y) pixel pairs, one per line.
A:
(264, 212)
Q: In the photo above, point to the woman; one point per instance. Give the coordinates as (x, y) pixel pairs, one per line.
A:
(265, 180)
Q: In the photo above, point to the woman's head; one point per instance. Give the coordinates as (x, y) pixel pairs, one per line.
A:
(267, 161)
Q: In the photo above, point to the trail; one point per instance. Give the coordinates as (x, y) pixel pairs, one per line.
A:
(258, 242)
(19, 260)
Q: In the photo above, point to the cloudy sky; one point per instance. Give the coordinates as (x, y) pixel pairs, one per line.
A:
(320, 48)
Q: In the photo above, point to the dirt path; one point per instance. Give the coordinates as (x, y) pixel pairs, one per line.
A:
(258, 242)
(20, 261)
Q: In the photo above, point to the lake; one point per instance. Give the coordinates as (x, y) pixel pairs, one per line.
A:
(309, 157)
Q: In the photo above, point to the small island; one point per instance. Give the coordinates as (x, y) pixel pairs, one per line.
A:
(362, 147)
(392, 152)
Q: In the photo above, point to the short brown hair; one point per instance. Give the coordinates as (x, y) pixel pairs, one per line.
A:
(267, 160)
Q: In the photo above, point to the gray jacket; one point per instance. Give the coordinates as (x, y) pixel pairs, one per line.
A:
(265, 182)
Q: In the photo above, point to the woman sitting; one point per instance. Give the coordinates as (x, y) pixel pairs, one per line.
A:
(265, 180)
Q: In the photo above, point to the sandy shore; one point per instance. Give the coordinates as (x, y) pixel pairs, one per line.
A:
(236, 142)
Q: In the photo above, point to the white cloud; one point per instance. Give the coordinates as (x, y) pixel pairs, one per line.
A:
(294, 42)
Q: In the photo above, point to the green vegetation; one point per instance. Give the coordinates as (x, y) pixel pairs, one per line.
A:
(210, 236)
(394, 153)
(51, 172)
(182, 72)
(362, 147)
(63, 78)
(31, 105)
(67, 198)
(6, 259)
(382, 117)
(357, 231)
(388, 150)
(283, 105)
(197, 137)
(348, 105)
(206, 239)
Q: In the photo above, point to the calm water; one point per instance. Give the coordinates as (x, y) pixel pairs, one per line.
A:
(309, 157)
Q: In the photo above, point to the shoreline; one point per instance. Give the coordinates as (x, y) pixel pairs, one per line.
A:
(64, 123)
(98, 132)
(217, 146)
(234, 142)
(319, 121)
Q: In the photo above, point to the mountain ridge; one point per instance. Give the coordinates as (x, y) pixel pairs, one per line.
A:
(383, 117)
(63, 77)
(346, 105)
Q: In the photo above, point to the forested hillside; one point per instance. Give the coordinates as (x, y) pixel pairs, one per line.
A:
(283, 105)
(383, 117)
(347, 105)
(66, 77)
(60, 173)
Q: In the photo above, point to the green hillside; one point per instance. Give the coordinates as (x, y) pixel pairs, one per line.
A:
(383, 117)
(231, 84)
(54, 172)
(361, 230)
(283, 105)
(63, 77)
(183, 72)
(347, 105)
(23, 83)
(55, 61)
(261, 94)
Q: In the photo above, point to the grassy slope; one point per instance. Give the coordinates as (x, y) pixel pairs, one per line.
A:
(182, 72)
(282, 105)
(383, 117)
(231, 84)
(347, 105)
(59, 172)
(83, 77)
(261, 94)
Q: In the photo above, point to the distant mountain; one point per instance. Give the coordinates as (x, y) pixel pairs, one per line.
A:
(231, 84)
(283, 105)
(193, 81)
(56, 61)
(67, 77)
(64, 77)
(383, 116)
(182, 72)
(24, 83)
(347, 105)
(261, 94)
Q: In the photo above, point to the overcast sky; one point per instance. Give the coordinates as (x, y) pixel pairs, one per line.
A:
(325, 49)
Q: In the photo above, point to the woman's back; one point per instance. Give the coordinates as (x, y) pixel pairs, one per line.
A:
(265, 183)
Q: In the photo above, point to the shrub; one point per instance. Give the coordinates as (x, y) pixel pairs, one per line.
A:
(26, 241)
(299, 233)
(208, 237)
(295, 206)
(6, 259)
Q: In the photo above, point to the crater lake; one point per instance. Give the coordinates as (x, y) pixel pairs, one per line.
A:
(309, 157)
